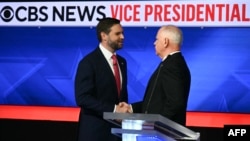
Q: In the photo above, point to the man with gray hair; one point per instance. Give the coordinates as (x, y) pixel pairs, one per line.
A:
(168, 88)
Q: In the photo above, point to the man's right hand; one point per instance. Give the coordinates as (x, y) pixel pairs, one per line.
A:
(123, 107)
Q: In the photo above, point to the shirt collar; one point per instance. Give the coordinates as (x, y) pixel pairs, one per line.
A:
(169, 54)
(107, 54)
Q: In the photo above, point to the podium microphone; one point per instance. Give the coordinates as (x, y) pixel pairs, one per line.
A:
(153, 89)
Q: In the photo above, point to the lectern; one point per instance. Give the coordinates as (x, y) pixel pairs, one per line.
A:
(148, 127)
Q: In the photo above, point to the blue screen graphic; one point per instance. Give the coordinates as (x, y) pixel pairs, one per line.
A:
(38, 64)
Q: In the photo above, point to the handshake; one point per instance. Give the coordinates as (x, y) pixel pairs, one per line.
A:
(123, 107)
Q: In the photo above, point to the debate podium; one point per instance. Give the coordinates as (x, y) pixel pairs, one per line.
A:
(148, 127)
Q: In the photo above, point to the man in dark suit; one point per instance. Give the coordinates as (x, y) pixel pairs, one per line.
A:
(96, 90)
(168, 88)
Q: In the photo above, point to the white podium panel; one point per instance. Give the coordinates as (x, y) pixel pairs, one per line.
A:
(149, 127)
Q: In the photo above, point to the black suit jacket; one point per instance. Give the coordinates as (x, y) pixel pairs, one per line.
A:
(95, 93)
(167, 90)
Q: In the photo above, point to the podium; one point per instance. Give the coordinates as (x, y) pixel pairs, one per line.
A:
(148, 127)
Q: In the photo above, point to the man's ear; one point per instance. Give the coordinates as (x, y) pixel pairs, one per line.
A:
(166, 42)
(104, 36)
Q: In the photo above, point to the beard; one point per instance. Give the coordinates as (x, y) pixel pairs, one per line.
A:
(116, 45)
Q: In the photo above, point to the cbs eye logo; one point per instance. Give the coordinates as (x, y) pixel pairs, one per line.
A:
(7, 14)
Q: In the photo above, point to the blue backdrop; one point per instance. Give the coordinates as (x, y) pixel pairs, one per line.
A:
(38, 64)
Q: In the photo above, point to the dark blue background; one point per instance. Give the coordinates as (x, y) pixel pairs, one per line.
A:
(38, 64)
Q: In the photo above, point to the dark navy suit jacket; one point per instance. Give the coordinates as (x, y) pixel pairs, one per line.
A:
(95, 93)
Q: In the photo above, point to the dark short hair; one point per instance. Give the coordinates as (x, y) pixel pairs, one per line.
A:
(104, 25)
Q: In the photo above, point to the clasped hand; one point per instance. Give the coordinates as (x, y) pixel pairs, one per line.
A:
(123, 107)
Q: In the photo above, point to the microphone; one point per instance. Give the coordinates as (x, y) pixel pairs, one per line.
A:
(153, 89)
